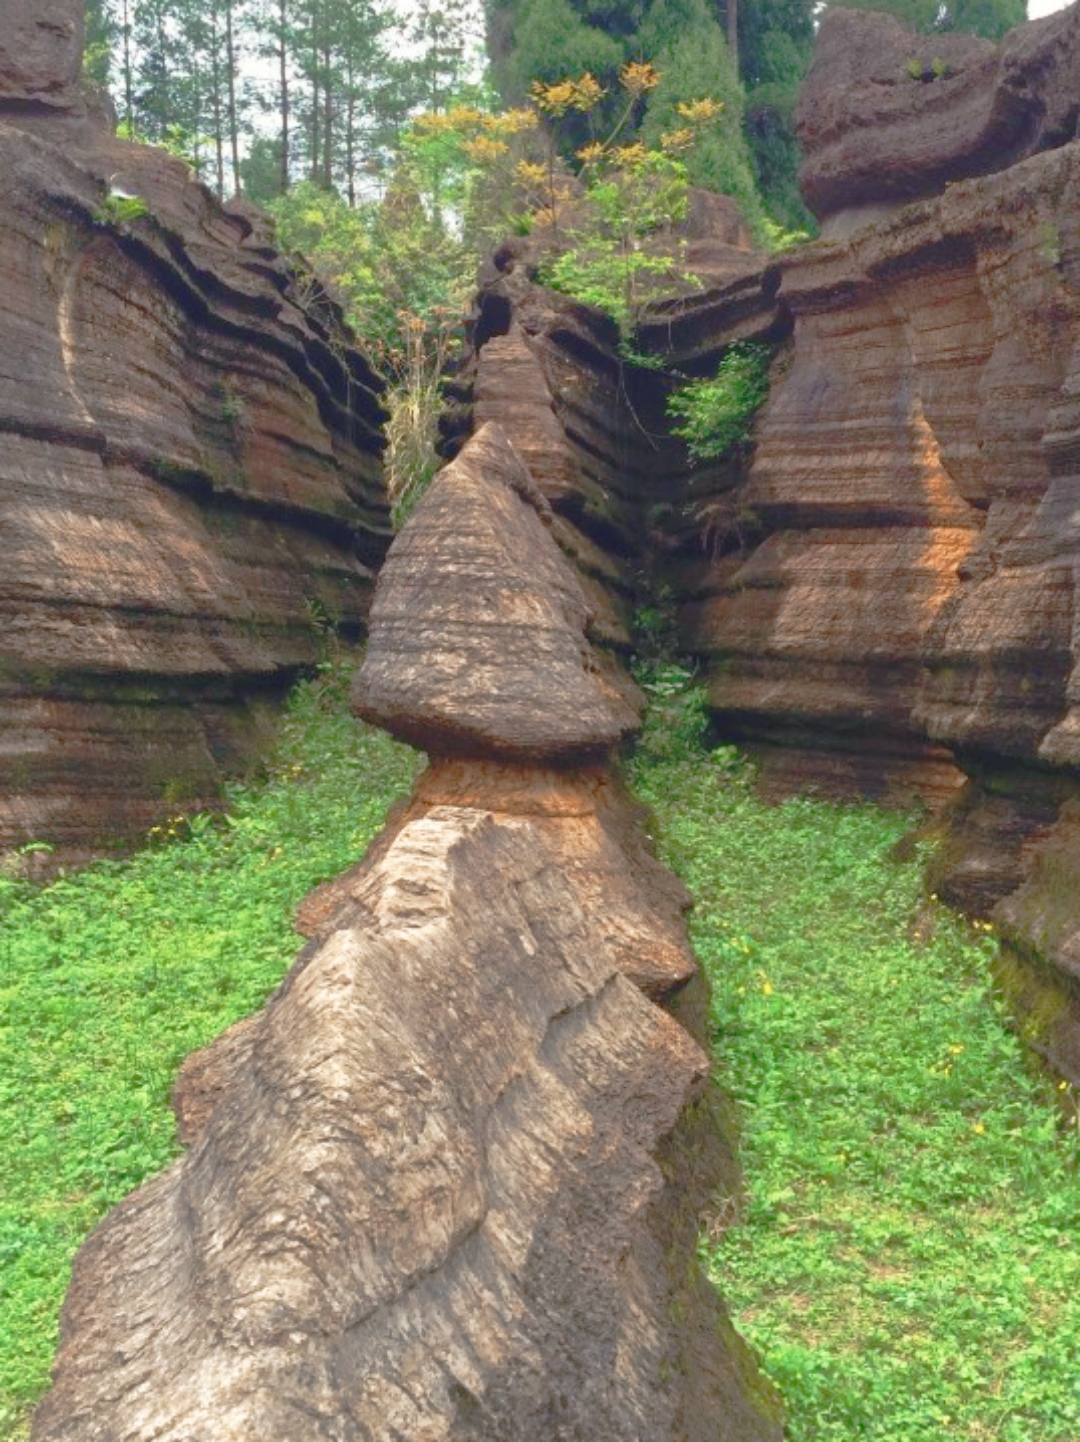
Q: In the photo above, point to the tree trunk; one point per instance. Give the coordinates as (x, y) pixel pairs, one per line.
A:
(328, 122)
(129, 107)
(733, 31)
(234, 125)
(315, 93)
(215, 82)
(284, 80)
(164, 117)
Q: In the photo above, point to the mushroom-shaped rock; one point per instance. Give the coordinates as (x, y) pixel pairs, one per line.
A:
(477, 642)
(887, 114)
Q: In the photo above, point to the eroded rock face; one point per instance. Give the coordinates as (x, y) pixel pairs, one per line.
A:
(189, 467)
(477, 642)
(887, 114)
(592, 427)
(447, 1184)
(890, 602)
(882, 589)
(41, 48)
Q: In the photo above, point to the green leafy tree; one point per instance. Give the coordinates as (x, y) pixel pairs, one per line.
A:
(545, 40)
(695, 63)
(553, 40)
(102, 33)
(776, 42)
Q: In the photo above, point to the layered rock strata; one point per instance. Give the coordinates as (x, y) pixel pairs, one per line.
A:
(887, 115)
(547, 370)
(447, 1184)
(890, 606)
(190, 480)
(881, 588)
(593, 425)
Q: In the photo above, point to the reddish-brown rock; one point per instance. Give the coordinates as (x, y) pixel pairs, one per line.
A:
(885, 600)
(189, 467)
(887, 114)
(478, 640)
(890, 604)
(447, 1184)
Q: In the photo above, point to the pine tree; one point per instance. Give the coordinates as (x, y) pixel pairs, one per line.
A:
(102, 33)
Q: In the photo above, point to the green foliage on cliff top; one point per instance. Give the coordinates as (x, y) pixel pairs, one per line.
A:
(548, 40)
(906, 1262)
(110, 977)
(989, 18)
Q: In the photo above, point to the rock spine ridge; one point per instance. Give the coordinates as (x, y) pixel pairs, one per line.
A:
(447, 1183)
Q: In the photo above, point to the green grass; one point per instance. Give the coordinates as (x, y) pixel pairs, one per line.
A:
(906, 1262)
(110, 977)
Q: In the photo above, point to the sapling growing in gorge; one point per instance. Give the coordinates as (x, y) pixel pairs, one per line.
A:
(715, 413)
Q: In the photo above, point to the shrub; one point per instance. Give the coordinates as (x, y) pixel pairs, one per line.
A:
(716, 414)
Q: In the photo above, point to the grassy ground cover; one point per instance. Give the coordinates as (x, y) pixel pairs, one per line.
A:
(907, 1260)
(110, 977)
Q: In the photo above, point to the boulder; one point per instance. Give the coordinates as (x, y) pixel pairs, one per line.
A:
(887, 114)
(477, 643)
(448, 1183)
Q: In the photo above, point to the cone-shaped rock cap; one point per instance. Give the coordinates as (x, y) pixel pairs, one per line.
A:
(477, 641)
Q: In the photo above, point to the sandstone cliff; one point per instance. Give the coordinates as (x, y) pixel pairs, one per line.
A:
(447, 1184)
(882, 591)
(891, 608)
(189, 465)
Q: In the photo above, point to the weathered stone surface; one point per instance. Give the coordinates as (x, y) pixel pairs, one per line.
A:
(448, 1183)
(874, 133)
(593, 428)
(438, 1188)
(895, 575)
(477, 642)
(189, 471)
(41, 49)
(887, 602)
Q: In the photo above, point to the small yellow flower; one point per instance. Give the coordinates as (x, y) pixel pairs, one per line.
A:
(510, 122)
(677, 140)
(587, 91)
(978, 1129)
(431, 124)
(629, 155)
(638, 77)
(1063, 1086)
(484, 150)
(956, 1049)
(700, 112)
(590, 153)
(553, 99)
(528, 173)
(460, 117)
(766, 988)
